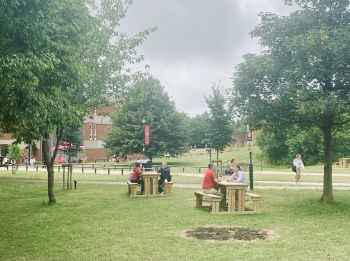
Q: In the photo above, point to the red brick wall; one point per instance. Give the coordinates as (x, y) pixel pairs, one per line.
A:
(96, 154)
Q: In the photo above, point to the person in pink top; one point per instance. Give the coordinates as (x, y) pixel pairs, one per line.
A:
(237, 175)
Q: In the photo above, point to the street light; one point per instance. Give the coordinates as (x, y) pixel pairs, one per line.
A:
(250, 165)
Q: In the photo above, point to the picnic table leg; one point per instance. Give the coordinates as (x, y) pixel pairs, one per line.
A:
(147, 181)
(241, 200)
(231, 195)
(155, 185)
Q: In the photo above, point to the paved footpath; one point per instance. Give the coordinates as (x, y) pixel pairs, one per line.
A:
(257, 184)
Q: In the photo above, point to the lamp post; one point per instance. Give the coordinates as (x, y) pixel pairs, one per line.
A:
(250, 165)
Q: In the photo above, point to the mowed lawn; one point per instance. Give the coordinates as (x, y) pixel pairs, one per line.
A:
(100, 222)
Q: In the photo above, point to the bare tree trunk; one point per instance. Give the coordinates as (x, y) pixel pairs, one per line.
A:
(50, 171)
(327, 196)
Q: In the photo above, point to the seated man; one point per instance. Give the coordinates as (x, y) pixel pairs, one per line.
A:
(164, 176)
(210, 180)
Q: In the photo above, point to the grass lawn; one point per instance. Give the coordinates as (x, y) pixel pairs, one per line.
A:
(100, 222)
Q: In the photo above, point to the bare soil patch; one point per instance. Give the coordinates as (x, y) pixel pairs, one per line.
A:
(227, 233)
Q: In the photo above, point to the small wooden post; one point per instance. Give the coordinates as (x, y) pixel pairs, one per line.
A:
(69, 176)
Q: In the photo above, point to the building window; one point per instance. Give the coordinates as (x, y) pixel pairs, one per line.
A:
(92, 131)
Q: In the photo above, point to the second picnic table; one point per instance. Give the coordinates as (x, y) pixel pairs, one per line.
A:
(151, 182)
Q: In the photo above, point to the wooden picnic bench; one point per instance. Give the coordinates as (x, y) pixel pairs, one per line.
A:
(256, 201)
(213, 199)
(132, 188)
(167, 187)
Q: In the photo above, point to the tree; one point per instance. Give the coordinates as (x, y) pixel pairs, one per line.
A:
(302, 78)
(72, 140)
(197, 130)
(219, 132)
(54, 58)
(147, 104)
(15, 153)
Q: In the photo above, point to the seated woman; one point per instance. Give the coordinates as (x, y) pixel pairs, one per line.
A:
(237, 175)
(136, 176)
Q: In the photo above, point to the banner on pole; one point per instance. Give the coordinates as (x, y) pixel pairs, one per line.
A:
(146, 134)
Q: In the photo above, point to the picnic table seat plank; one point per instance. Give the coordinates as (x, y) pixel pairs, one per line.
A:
(132, 188)
(256, 202)
(213, 199)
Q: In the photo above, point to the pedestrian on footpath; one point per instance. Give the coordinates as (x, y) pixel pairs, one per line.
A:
(299, 165)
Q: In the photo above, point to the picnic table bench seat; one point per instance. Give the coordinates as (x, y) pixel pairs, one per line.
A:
(132, 188)
(213, 199)
(256, 201)
(167, 187)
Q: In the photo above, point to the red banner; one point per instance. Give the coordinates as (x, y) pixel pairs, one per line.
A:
(146, 134)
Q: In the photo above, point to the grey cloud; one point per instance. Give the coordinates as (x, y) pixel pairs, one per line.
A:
(197, 42)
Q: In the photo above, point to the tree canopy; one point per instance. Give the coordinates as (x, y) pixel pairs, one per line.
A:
(58, 58)
(219, 129)
(302, 77)
(148, 104)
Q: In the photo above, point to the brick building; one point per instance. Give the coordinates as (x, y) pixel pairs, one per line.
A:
(94, 131)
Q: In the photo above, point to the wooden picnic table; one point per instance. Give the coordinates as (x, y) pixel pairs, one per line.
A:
(344, 162)
(234, 194)
(151, 182)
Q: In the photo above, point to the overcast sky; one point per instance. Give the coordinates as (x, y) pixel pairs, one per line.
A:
(198, 42)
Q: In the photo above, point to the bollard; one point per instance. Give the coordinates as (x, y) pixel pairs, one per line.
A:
(108, 171)
(183, 169)
(75, 184)
(122, 171)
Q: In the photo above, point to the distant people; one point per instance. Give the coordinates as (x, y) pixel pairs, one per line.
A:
(299, 165)
(164, 176)
(232, 164)
(5, 161)
(136, 176)
(210, 181)
(32, 162)
(237, 175)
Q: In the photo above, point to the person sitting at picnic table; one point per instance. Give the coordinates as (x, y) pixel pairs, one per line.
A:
(210, 181)
(164, 176)
(237, 175)
(136, 176)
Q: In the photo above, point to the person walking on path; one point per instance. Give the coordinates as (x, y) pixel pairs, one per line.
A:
(299, 165)
(210, 181)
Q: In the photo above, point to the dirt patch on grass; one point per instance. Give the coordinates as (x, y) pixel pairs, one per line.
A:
(228, 233)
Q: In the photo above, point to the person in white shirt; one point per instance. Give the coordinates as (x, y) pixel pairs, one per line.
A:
(298, 163)
(237, 175)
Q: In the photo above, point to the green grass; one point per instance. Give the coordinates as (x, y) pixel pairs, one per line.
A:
(100, 222)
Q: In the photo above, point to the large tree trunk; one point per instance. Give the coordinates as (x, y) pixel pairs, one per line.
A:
(50, 171)
(327, 196)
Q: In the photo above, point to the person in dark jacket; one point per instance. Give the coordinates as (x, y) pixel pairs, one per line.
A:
(164, 176)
